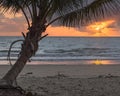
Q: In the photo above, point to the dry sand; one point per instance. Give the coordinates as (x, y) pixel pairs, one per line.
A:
(70, 80)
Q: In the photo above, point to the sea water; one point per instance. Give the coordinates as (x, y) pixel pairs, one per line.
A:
(67, 50)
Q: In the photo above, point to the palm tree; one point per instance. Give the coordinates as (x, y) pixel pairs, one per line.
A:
(39, 14)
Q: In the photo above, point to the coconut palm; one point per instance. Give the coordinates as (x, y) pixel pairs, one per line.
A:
(39, 14)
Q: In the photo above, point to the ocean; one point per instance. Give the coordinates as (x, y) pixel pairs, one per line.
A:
(67, 50)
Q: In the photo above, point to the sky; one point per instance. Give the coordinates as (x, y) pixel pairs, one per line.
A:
(11, 25)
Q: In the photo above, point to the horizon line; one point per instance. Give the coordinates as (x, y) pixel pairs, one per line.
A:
(75, 36)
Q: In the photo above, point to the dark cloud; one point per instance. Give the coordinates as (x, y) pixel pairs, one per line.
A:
(12, 25)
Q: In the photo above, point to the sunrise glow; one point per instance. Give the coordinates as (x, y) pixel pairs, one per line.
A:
(101, 28)
(13, 26)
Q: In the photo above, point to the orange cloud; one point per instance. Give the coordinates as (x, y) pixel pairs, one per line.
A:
(65, 31)
(13, 26)
(103, 28)
(11, 15)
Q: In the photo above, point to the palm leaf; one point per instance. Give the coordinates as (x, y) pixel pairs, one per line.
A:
(67, 12)
(95, 11)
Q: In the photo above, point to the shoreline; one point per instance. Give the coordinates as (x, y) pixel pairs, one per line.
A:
(70, 62)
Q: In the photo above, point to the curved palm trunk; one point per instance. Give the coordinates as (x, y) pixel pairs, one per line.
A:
(26, 53)
(29, 48)
(15, 70)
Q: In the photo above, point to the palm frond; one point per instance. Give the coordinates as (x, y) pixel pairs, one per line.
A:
(67, 12)
(64, 6)
(95, 11)
(13, 6)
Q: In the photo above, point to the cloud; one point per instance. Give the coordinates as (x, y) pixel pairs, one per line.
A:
(10, 24)
(16, 24)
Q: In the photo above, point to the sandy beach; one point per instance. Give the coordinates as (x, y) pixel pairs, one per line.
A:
(69, 80)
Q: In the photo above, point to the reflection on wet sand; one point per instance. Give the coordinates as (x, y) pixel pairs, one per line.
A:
(104, 62)
(98, 62)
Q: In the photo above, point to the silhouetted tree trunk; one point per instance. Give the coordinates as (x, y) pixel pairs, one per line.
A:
(28, 49)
